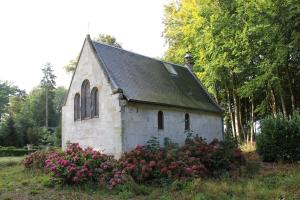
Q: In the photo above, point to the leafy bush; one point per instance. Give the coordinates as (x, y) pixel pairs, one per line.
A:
(195, 158)
(36, 160)
(35, 135)
(279, 139)
(146, 163)
(77, 165)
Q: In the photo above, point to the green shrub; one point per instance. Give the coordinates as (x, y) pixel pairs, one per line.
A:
(279, 139)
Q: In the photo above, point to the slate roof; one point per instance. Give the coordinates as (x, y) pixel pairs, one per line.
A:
(148, 80)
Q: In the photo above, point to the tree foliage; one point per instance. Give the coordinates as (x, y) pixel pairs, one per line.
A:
(7, 90)
(24, 114)
(247, 53)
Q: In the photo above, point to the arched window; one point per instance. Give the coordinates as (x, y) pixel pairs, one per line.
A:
(160, 120)
(77, 107)
(95, 102)
(85, 100)
(187, 124)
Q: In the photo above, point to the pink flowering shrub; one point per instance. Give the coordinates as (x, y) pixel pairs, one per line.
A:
(36, 160)
(195, 158)
(77, 165)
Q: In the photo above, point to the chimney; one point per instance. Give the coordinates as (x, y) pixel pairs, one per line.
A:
(189, 62)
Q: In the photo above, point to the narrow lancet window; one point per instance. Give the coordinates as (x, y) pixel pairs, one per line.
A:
(95, 102)
(187, 123)
(85, 100)
(160, 120)
(77, 107)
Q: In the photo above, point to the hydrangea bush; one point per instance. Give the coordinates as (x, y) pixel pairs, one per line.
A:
(195, 158)
(36, 160)
(77, 165)
(146, 163)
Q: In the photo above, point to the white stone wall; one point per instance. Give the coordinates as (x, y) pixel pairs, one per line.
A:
(140, 123)
(103, 133)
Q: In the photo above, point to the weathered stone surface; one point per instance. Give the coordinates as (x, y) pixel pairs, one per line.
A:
(140, 124)
(104, 132)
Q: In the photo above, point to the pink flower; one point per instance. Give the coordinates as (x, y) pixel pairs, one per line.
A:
(65, 163)
(152, 163)
(189, 170)
(53, 168)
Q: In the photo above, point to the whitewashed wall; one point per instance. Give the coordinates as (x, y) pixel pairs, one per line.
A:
(140, 123)
(103, 133)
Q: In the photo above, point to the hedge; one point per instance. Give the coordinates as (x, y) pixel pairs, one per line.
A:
(4, 151)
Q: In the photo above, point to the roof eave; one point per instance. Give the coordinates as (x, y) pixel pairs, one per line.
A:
(176, 106)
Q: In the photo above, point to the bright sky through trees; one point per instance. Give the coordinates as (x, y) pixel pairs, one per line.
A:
(35, 32)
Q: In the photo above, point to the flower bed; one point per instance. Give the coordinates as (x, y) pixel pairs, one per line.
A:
(146, 163)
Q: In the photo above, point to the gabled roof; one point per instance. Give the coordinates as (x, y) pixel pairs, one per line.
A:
(148, 80)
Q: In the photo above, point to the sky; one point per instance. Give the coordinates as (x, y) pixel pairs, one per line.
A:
(34, 32)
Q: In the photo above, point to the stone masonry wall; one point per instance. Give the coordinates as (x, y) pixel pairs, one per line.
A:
(104, 132)
(140, 123)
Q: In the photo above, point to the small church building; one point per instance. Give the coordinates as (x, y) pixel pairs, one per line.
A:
(118, 99)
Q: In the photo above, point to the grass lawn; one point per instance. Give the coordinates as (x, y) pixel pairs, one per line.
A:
(278, 181)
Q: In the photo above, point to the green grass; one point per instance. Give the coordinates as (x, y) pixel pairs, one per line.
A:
(279, 182)
(10, 161)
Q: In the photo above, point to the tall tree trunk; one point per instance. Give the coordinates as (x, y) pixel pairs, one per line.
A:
(230, 112)
(274, 105)
(236, 108)
(46, 123)
(291, 81)
(241, 119)
(283, 104)
(252, 119)
(246, 131)
(236, 115)
(233, 124)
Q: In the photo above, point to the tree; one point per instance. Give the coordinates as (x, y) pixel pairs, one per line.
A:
(7, 90)
(48, 84)
(102, 38)
(246, 53)
(108, 39)
(59, 98)
(8, 133)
